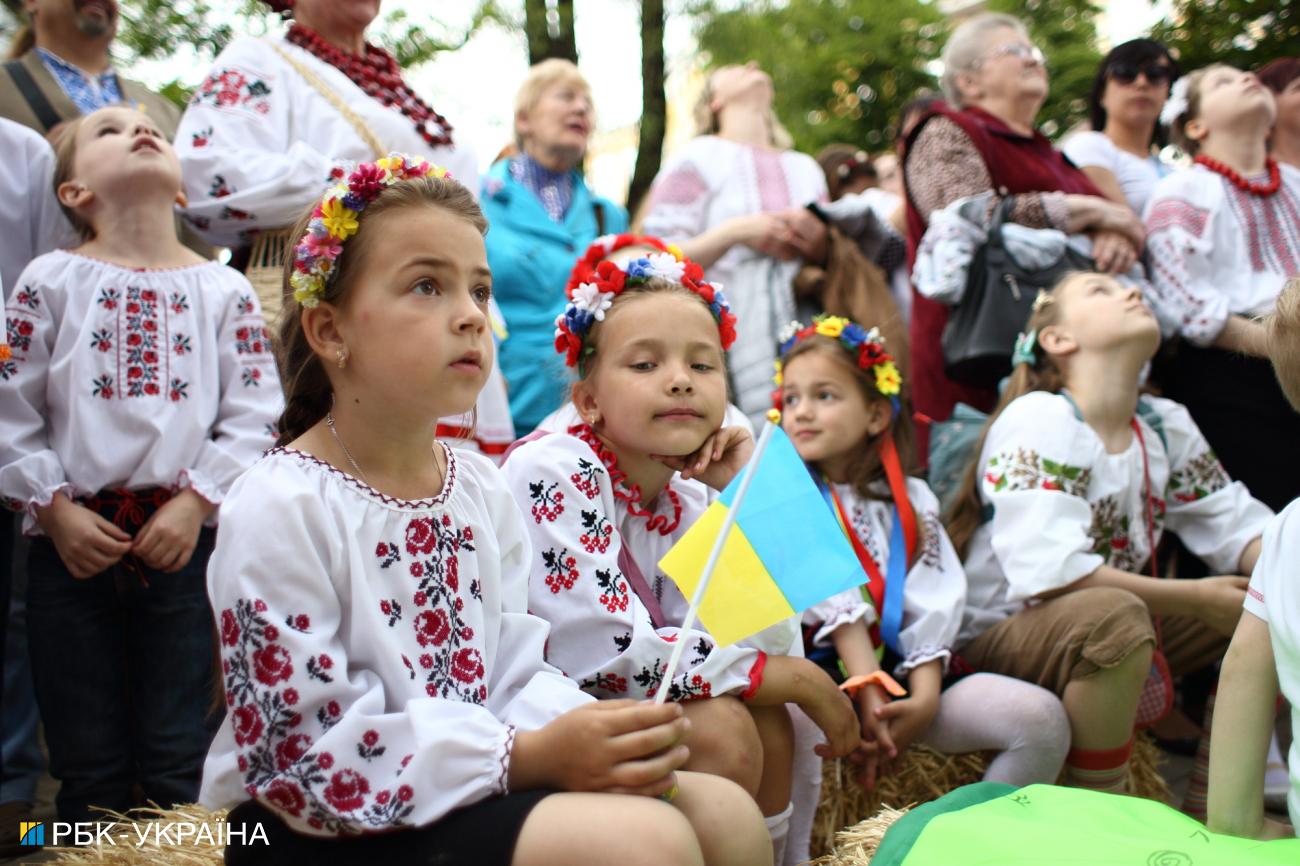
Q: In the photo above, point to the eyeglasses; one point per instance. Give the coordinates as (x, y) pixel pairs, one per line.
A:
(1126, 73)
(1019, 50)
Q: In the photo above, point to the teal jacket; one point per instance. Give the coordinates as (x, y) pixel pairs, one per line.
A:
(531, 257)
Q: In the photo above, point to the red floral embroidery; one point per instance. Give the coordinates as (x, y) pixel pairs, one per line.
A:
(285, 796)
(272, 664)
(19, 333)
(233, 89)
(229, 628)
(597, 532)
(201, 138)
(547, 501)
(248, 724)
(630, 494)
(615, 596)
(587, 478)
(347, 790)
(561, 569)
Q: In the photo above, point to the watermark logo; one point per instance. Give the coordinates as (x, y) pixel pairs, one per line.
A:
(31, 833)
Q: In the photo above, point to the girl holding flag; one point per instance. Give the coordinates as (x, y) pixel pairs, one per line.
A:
(605, 501)
(839, 400)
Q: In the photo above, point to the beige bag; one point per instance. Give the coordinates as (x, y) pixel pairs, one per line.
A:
(266, 260)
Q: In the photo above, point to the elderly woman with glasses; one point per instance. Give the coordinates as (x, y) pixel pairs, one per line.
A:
(983, 138)
(1128, 94)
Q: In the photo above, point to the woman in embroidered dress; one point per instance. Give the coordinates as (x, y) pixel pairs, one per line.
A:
(541, 211)
(140, 385)
(611, 496)
(734, 197)
(838, 393)
(277, 121)
(984, 139)
(388, 698)
(1128, 94)
(1057, 519)
(1225, 236)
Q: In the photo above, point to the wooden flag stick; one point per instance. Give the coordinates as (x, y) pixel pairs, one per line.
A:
(714, 555)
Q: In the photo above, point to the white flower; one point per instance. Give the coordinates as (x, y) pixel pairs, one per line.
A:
(787, 333)
(1177, 103)
(606, 242)
(665, 265)
(589, 297)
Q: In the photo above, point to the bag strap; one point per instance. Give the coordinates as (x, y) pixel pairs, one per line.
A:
(367, 135)
(626, 564)
(31, 92)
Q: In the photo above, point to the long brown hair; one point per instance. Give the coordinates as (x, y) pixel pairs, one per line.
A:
(866, 468)
(967, 511)
(307, 390)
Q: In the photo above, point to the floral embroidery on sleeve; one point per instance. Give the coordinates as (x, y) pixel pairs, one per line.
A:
(233, 90)
(1025, 469)
(1197, 478)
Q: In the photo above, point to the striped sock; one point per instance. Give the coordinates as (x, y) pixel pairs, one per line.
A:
(1198, 783)
(1099, 769)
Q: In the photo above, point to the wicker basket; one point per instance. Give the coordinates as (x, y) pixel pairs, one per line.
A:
(266, 273)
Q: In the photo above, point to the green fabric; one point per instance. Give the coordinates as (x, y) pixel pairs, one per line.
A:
(1044, 824)
(905, 831)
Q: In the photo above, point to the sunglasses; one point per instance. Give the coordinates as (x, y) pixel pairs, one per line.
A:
(1127, 73)
(1020, 51)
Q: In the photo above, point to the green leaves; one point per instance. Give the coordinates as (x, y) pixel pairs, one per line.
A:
(1242, 33)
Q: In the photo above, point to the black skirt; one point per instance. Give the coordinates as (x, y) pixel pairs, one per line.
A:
(1239, 406)
(483, 833)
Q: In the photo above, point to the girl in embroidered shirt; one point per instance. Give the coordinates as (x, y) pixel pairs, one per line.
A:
(609, 498)
(140, 385)
(1059, 516)
(380, 667)
(839, 399)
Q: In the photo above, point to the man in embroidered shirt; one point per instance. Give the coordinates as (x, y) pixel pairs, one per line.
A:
(60, 68)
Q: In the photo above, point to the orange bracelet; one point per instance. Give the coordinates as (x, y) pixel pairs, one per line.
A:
(853, 685)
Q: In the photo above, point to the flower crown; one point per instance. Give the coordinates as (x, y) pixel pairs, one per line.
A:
(335, 220)
(595, 282)
(866, 347)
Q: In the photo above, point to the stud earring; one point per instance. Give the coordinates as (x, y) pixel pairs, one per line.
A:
(342, 356)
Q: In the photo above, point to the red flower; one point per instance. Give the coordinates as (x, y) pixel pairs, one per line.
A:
(333, 708)
(370, 738)
(611, 276)
(420, 536)
(301, 622)
(291, 696)
(290, 751)
(467, 665)
(133, 339)
(248, 724)
(270, 632)
(417, 569)
(432, 627)
(385, 607)
(285, 796)
(149, 295)
(134, 372)
(25, 328)
(727, 330)
(229, 628)
(420, 599)
(259, 606)
(405, 793)
(325, 760)
(152, 388)
(426, 661)
(132, 307)
(326, 663)
(271, 664)
(382, 797)
(347, 790)
(149, 325)
(381, 550)
(150, 357)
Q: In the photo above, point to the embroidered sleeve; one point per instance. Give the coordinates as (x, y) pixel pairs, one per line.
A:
(1213, 515)
(679, 202)
(30, 471)
(944, 165)
(935, 591)
(251, 400)
(1183, 294)
(316, 739)
(1032, 477)
(840, 609)
(245, 158)
(601, 634)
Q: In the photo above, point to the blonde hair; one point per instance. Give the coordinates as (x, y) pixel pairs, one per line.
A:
(540, 78)
(1178, 130)
(967, 46)
(65, 157)
(706, 119)
(1284, 341)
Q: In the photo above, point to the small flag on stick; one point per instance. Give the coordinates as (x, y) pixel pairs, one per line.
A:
(785, 552)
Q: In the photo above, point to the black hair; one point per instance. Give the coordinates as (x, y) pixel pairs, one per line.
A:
(1137, 53)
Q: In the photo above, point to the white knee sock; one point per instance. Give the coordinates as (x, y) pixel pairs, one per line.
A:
(806, 786)
(778, 827)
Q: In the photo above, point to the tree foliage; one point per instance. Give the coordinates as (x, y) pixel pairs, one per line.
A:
(1242, 33)
(842, 68)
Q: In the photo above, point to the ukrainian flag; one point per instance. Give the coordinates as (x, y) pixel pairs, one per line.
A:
(785, 552)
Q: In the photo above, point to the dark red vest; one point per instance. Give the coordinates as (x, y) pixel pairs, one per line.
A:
(1018, 164)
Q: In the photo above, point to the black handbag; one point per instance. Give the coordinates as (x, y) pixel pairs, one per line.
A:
(982, 328)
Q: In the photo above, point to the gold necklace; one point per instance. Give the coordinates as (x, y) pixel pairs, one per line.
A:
(329, 422)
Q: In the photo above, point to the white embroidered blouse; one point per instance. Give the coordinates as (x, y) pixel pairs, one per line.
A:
(377, 653)
(1062, 505)
(1217, 251)
(258, 143)
(933, 593)
(603, 633)
(709, 181)
(124, 378)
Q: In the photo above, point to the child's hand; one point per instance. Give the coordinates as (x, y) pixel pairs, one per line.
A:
(717, 461)
(86, 542)
(879, 743)
(1219, 601)
(167, 540)
(908, 719)
(623, 746)
(833, 712)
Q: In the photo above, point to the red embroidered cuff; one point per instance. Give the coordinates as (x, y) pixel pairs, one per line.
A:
(755, 676)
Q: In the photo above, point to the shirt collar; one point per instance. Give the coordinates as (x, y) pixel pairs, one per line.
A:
(53, 59)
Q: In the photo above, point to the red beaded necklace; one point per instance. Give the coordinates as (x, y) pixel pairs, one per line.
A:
(1263, 190)
(377, 73)
(624, 490)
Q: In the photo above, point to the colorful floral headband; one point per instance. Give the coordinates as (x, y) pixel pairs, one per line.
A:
(595, 282)
(335, 220)
(866, 347)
